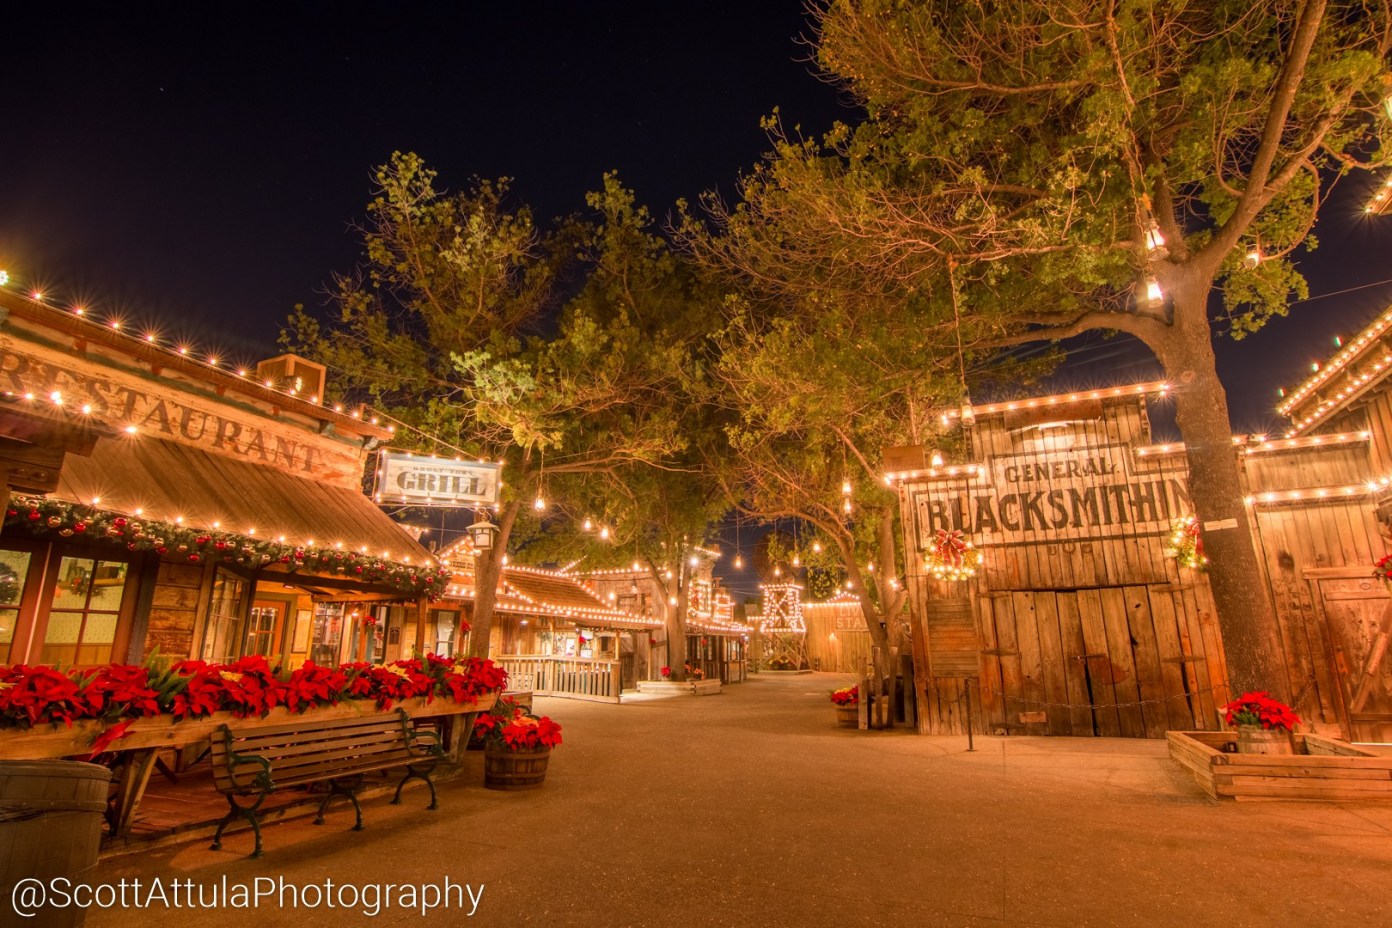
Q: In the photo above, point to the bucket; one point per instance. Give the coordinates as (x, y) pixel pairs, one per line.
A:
(50, 826)
(514, 770)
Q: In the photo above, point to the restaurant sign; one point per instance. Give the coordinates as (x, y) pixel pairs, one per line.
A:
(1078, 495)
(425, 481)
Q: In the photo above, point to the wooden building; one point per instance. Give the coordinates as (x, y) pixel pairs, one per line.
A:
(837, 639)
(162, 502)
(716, 643)
(552, 633)
(1078, 623)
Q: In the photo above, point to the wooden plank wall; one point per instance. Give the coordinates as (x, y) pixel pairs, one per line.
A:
(837, 639)
(1300, 542)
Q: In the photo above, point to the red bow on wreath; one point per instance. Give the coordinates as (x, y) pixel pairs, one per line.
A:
(950, 547)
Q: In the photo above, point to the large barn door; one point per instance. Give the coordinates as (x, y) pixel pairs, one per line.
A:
(1356, 614)
(1114, 662)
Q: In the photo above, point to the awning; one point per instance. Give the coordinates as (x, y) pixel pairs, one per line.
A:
(177, 484)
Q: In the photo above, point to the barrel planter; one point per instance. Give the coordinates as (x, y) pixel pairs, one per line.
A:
(515, 770)
(848, 716)
(50, 827)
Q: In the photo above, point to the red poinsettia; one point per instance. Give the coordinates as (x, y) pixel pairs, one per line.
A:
(1258, 708)
(846, 696)
(529, 733)
(666, 672)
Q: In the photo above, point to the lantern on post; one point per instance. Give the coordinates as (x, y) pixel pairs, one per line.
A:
(482, 532)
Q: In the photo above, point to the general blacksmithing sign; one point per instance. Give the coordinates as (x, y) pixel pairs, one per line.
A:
(425, 481)
(1082, 494)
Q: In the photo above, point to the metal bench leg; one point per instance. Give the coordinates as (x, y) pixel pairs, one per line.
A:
(338, 788)
(246, 812)
(412, 773)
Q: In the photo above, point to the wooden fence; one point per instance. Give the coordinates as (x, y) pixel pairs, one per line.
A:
(567, 677)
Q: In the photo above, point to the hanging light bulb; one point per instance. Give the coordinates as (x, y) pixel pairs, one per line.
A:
(739, 562)
(870, 568)
(777, 571)
(540, 504)
(816, 547)
(604, 533)
(797, 561)
(588, 525)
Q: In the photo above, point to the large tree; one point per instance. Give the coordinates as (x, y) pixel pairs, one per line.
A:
(460, 324)
(1075, 165)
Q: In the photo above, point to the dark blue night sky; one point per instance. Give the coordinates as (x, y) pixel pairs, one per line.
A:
(196, 166)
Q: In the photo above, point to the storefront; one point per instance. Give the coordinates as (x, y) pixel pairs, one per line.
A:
(1052, 570)
(160, 503)
(553, 634)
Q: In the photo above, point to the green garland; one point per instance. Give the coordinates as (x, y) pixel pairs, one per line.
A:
(47, 517)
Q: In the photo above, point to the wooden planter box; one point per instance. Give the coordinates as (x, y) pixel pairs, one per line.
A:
(686, 687)
(162, 731)
(1324, 768)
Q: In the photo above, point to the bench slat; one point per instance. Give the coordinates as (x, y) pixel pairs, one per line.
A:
(279, 750)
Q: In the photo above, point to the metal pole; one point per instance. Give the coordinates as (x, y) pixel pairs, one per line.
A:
(971, 744)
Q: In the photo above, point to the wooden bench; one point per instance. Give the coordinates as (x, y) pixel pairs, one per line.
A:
(250, 764)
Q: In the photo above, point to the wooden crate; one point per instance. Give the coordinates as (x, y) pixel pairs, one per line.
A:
(1325, 769)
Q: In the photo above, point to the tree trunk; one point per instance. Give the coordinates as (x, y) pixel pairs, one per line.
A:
(1251, 637)
(487, 569)
(674, 620)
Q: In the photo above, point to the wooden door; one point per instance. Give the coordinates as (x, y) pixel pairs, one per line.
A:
(1358, 620)
(1108, 661)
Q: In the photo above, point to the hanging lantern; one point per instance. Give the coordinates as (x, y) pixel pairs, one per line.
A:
(1252, 259)
(816, 547)
(1155, 241)
(797, 561)
(739, 562)
(481, 533)
(604, 533)
(968, 414)
(540, 504)
(937, 459)
(588, 525)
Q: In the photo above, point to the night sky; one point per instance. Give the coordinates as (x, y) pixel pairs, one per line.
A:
(195, 167)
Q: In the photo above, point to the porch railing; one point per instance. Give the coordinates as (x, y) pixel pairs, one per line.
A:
(569, 677)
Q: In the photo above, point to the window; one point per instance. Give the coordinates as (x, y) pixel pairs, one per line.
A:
(14, 570)
(444, 621)
(86, 607)
(222, 636)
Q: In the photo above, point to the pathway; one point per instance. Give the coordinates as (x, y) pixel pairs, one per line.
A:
(751, 809)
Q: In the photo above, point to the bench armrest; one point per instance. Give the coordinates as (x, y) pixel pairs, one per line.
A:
(423, 740)
(234, 760)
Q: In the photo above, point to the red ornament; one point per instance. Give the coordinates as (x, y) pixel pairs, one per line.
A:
(33, 515)
(194, 558)
(79, 527)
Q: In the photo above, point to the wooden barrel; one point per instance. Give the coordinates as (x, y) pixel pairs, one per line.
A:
(1253, 739)
(50, 826)
(514, 770)
(848, 716)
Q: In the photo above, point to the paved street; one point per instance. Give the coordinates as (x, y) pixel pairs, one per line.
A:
(751, 809)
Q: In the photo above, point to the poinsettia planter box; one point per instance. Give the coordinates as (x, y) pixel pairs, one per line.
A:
(162, 731)
(1322, 768)
(682, 688)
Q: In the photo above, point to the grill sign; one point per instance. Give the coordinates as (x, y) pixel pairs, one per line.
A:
(424, 481)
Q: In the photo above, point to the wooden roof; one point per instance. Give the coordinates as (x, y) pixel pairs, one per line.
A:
(168, 482)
